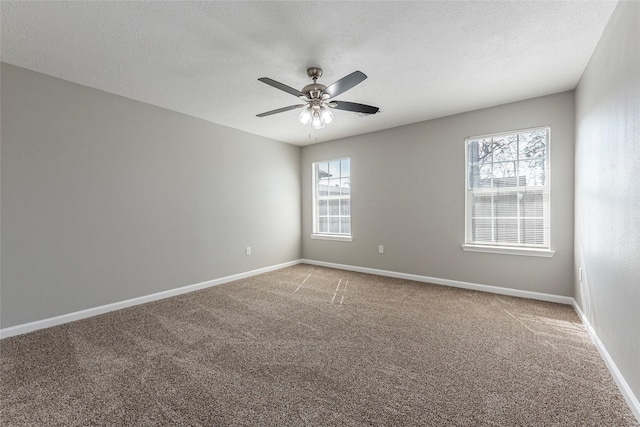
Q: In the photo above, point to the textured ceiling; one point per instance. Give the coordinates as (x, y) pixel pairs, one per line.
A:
(423, 59)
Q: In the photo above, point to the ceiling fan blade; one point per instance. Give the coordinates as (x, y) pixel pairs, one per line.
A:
(344, 84)
(281, 110)
(356, 108)
(281, 86)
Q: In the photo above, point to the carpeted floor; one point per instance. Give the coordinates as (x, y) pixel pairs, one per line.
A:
(314, 346)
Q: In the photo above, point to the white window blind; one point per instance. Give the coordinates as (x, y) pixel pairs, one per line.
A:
(332, 197)
(507, 189)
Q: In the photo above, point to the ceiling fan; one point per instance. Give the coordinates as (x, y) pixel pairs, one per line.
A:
(318, 97)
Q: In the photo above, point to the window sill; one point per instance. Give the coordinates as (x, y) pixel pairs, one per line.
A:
(334, 237)
(546, 253)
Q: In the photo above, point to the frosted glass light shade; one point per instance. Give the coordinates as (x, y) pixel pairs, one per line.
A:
(316, 121)
(305, 116)
(326, 116)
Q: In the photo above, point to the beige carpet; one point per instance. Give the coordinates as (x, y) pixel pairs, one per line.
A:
(314, 346)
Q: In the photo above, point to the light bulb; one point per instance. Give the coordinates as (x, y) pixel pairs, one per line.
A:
(326, 116)
(316, 122)
(305, 116)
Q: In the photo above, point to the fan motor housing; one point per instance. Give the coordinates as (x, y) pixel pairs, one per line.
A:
(314, 89)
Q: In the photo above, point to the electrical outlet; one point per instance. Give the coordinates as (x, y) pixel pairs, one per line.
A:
(380, 249)
(247, 251)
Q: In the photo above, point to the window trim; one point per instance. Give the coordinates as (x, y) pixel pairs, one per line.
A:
(500, 248)
(334, 237)
(509, 250)
(314, 206)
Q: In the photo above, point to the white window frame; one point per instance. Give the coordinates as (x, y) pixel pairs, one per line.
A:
(503, 247)
(315, 198)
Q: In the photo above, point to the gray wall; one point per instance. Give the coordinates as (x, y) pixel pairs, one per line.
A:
(607, 223)
(105, 199)
(408, 195)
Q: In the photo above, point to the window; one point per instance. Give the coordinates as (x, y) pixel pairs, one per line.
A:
(332, 200)
(507, 193)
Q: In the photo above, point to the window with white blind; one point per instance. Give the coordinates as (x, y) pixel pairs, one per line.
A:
(332, 200)
(507, 193)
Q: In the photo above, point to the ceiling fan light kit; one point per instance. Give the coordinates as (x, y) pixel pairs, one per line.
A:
(317, 118)
(317, 98)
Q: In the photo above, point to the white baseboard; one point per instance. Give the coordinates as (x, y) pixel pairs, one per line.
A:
(446, 282)
(83, 314)
(90, 312)
(626, 391)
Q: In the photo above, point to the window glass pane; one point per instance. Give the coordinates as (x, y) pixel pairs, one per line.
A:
(323, 225)
(505, 149)
(534, 171)
(482, 230)
(322, 207)
(345, 168)
(532, 204)
(533, 144)
(334, 225)
(334, 169)
(334, 207)
(485, 150)
(345, 225)
(345, 184)
(506, 230)
(474, 152)
(506, 205)
(323, 171)
(527, 176)
(482, 206)
(323, 188)
(485, 175)
(532, 231)
(345, 207)
(334, 187)
(504, 174)
(473, 173)
(533, 152)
